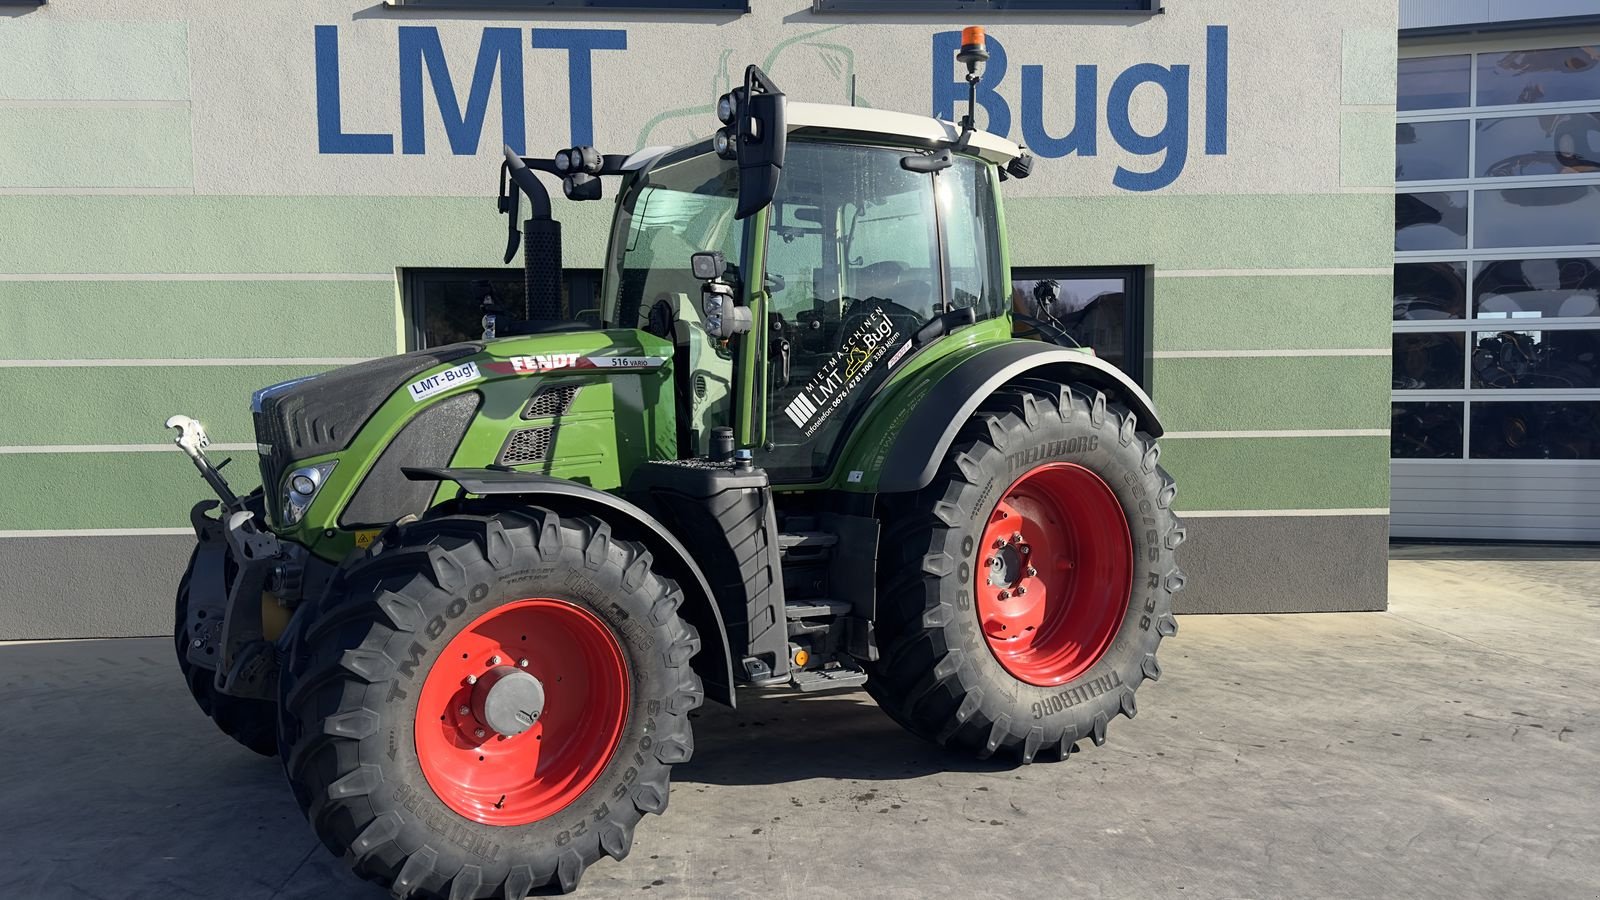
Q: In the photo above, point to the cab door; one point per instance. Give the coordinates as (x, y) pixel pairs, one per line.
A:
(855, 268)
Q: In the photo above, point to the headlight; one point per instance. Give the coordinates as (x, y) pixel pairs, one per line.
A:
(563, 162)
(725, 109)
(724, 144)
(300, 488)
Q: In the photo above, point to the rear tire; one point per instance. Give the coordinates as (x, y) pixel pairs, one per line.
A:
(950, 671)
(252, 723)
(396, 786)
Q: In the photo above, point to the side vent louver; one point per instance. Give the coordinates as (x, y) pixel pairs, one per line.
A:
(530, 445)
(552, 400)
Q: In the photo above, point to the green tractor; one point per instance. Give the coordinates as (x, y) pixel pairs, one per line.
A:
(485, 585)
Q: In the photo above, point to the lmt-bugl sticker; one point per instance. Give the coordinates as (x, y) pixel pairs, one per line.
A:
(842, 373)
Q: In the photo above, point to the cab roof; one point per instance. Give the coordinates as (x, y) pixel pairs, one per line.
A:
(864, 121)
(861, 121)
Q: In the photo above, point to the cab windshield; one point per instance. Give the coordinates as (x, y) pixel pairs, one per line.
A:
(681, 206)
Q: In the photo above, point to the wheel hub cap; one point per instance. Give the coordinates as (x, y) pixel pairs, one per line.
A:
(1060, 570)
(507, 700)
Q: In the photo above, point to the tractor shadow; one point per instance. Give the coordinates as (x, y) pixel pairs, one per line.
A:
(113, 785)
(780, 736)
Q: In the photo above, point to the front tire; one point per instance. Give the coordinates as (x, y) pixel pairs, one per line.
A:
(1024, 592)
(407, 764)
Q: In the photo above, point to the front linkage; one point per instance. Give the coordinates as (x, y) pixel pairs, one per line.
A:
(238, 567)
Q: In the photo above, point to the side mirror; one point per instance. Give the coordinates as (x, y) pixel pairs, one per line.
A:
(757, 135)
(708, 266)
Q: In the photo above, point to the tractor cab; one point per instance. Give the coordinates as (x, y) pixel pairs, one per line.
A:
(794, 260)
(857, 260)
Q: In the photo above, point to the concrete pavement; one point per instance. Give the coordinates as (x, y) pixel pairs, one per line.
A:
(1449, 747)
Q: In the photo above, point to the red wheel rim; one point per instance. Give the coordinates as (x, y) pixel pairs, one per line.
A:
(513, 780)
(1055, 573)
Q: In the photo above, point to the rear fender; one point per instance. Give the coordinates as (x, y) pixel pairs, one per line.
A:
(911, 456)
(714, 662)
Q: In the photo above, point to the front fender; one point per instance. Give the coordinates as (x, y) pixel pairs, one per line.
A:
(714, 663)
(908, 458)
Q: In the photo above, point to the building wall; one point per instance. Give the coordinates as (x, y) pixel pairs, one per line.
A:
(190, 209)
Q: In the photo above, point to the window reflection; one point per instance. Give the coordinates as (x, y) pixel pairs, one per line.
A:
(1091, 311)
(1537, 288)
(1429, 360)
(1426, 151)
(1537, 217)
(1425, 430)
(1434, 82)
(1565, 144)
(1539, 76)
(1432, 290)
(1535, 360)
(1431, 221)
(1536, 430)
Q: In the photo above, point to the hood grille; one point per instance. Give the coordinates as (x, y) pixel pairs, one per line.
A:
(530, 445)
(551, 400)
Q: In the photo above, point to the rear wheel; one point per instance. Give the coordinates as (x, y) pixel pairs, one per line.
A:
(250, 722)
(486, 705)
(1025, 591)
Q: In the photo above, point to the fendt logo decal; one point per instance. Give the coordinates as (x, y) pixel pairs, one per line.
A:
(550, 362)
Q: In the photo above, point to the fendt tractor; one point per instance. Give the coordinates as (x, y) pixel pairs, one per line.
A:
(484, 585)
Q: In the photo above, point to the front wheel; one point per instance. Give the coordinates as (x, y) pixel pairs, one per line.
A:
(1025, 591)
(486, 705)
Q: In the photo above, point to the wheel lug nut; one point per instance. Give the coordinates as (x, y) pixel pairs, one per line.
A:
(197, 643)
(1032, 571)
(999, 544)
(1021, 589)
(472, 679)
(523, 663)
(478, 733)
(494, 660)
(1017, 537)
(1004, 595)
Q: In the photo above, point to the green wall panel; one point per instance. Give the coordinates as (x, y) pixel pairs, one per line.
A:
(214, 319)
(198, 234)
(1366, 148)
(93, 60)
(1204, 231)
(95, 147)
(1279, 473)
(147, 490)
(1272, 312)
(128, 404)
(1272, 393)
(109, 490)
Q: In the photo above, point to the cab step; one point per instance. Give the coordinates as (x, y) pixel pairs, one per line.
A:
(808, 542)
(827, 679)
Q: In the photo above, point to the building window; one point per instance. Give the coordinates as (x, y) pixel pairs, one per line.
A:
(741, 6)
(445, 306)
(990, 6)
(1104, 309)
(1497, 256)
